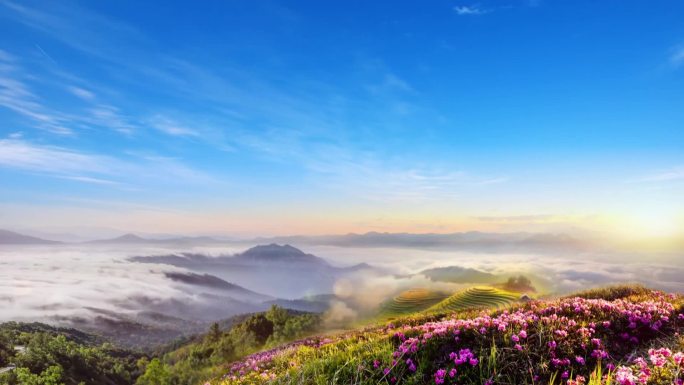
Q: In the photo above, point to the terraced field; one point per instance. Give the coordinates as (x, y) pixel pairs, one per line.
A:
(412, 301)
(475, 298)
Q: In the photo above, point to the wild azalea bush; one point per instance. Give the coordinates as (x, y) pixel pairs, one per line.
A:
(572, 341)
(254, 362)
(663, 367)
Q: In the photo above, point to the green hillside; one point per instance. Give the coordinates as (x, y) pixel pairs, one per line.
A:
(475, 298)
(591, 338)
(607, 337)
(39, 354)
(412, 301)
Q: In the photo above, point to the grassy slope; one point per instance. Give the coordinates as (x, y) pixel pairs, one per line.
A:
(475, 298)
(361, 357)
(412, 301)
(417, 300)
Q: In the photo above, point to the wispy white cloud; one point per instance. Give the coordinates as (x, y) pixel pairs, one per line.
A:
(368, 178)
(45, 54)
(465, 10)
(65, 163)
(77, 27)
(16, 95)
(677, 57)
(20, 154)
(171, 127)
(109, 116)
(390, 83)
(6, 56)
(673, 174)
(297, 123)
(296, 111)
(81, 93)
(87, 179)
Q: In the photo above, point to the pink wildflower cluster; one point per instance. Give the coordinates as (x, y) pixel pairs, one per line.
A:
(566, 338)
(260, 362)
(660, 356)
(641, 372)
(625, 376)
(579, 380)
(579, 334)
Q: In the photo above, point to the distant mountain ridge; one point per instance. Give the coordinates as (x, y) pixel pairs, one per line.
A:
(472, 241)
(459, 274)
(268, 256)
(131, 238)
(210, 281)
(280, 271)
(11, 238)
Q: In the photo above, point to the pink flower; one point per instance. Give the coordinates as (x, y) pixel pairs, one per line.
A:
(678, 358)
(625, 376)
(522, 334)
(659, 356)
(439, 376)
(411, 365)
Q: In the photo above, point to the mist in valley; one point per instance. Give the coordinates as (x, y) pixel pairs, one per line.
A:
(166, 291)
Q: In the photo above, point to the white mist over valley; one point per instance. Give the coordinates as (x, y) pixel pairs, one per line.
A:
(178, 289)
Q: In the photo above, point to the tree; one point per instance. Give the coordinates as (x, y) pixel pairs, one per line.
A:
(6, 349)
(261, 326)
(156, 373)
(277, 315)
(225, 349)
(215, 333)
(51, 376)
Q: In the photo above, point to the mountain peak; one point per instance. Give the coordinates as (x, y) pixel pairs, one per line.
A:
(273, 250)
(129, 237)
(273, 253)
(10, 237)
(126, 238)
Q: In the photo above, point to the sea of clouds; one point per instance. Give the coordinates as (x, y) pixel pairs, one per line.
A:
(41, 282)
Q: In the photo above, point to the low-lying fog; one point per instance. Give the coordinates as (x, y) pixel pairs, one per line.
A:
(71, 284)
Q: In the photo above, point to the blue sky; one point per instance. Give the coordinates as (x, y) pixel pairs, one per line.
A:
(317, 117)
